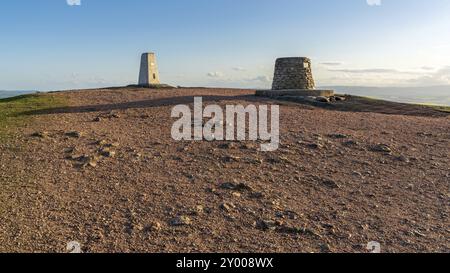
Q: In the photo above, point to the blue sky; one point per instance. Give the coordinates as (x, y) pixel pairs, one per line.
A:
(50, 45)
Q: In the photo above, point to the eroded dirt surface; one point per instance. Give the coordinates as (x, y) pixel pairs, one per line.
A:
(106, 173)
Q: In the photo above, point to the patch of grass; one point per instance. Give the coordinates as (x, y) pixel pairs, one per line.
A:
(441, 108)
(11, 109)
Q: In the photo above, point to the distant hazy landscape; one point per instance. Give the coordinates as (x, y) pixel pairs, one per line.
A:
(439, 95)
(8, 94)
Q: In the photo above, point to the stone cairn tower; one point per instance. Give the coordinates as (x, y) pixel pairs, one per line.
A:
(149, 70)
(293, 73)
(293, 77)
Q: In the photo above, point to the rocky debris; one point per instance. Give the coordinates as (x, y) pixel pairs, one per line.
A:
(248, 146)
(339, 98)
(199, 209)
(70, 150)
(236, 186)
(425, 134)
(87, 161)
(316, 146)
(330, 183)
(106, 152)
(113, 115)
(227, 146)
(279, 226)
(325, 248)
(338, 136)
(74, 134)
(323, 99)
(351, 143)
(402, 158)
(153, 227)
(229, 159)
(381, 148)
(180, 221)
(267, 225)
(42, 134)
(286, 214)
(256, 195)
(228, 207)
(101, 142)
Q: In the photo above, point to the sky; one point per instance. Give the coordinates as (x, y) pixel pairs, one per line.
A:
(71, 44)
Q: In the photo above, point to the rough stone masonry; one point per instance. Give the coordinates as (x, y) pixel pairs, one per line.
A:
(149, 70)
(293, 77)
(293, 73)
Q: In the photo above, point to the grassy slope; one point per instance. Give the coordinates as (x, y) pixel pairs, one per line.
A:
(441, 108)
(11, 109)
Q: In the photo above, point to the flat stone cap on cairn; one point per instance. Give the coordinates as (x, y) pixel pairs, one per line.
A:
(293, 77)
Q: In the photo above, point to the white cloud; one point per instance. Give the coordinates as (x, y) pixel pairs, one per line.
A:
(215, 74)
(366, 71)
(331, 63)
(439, 77)
(73, 2)
(261, 79)
(239, 69)
(374, 2)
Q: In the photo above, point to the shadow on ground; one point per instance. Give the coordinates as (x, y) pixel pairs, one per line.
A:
(172, 101)
(351, 104)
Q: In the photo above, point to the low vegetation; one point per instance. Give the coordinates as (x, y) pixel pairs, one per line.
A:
(11, 109)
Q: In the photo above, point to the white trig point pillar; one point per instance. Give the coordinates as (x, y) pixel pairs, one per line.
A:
(149, 70)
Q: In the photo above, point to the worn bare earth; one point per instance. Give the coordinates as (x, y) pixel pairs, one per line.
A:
(106, 173)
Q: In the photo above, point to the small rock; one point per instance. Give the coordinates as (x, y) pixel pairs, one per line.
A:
(74, 134)
(228, 186)
(199, 209)
(351, 143)
(70, 150)
(97, 119)
(181, 221)
(87, 160)
(236, 187)
(107, 152)
(338, 136)
(228, 145)
(236, 194)
(381, 148)
(339, 98)
(316, 146)
(402, 158)
(101, 142)
(330, 184)
(228, 207)
(42, 134)
(257, 195)
(248, 146)
(325, 248)
(154, 227)
(323, 99)
(266, 225)
(231, 159)
(139, 227)
(114, 115)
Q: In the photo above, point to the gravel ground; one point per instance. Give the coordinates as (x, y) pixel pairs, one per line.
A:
(106, 173)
